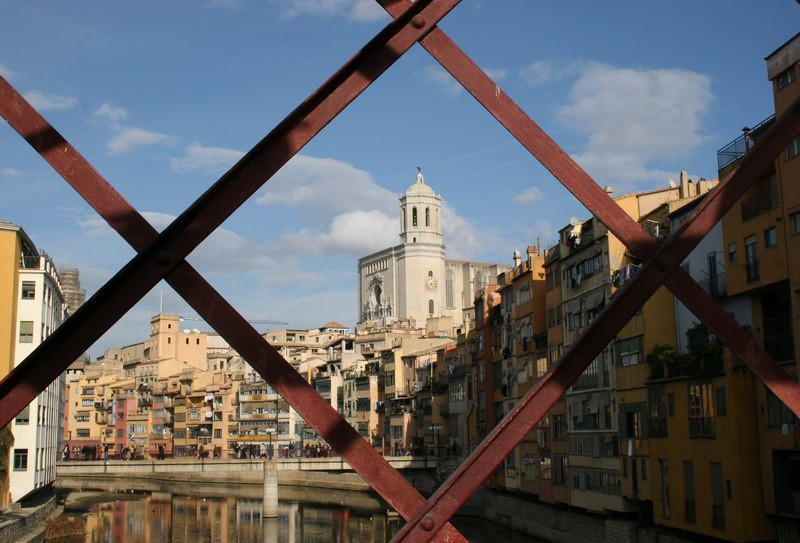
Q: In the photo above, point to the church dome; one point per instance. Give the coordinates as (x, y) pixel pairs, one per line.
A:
(419, 187)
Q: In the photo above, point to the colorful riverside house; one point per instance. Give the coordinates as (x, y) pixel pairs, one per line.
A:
(523, 348)
(555, 348)
(33, 306)
(761, 243)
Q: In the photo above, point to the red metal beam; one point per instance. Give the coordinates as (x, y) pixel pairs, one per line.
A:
(593, 197)
(398, 492)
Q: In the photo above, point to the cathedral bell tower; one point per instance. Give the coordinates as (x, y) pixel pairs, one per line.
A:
(420, 214)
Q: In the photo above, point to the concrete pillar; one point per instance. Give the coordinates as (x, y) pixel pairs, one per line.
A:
(271, 530)
(270, 490)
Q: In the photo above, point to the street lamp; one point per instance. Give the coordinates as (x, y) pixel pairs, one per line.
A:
(270, 432)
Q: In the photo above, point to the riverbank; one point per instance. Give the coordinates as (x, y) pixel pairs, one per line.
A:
(25, 522)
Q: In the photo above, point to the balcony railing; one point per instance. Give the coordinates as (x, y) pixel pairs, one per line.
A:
(760, 203)
(741, 145)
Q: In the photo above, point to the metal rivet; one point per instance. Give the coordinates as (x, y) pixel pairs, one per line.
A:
(427, 523)
(163, 259)
(418, 21)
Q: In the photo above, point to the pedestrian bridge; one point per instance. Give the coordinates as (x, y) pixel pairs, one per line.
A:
(231, 465)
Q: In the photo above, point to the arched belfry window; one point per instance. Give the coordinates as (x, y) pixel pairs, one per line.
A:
(427, 216)
(430, 307)
(448, 289)
(478, 281)
(414, 216)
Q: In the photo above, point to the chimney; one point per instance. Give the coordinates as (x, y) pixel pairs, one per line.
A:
(517, 259)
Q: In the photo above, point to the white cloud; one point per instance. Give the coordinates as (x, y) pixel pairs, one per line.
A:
(49, 102)
(321, 188)
(359, 233)
(110, 114)
(548, 71)
(213, 160)
(355, 10)
(462, 239)
(128, 139)
(529, 195)
(632, 117)
(9, 172)
(440, 78)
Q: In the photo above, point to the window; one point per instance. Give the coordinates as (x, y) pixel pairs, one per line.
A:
(658, 412)
(430, 307)
(559, 427)
(87, 402)
(414, 216)
(427, 216)
(717, 493)
(664, 470)
(770, 237)
(751, 255)
(560, 471)
(689, 512)
(84, 432)
(786, 77)
(794, 148)
(732, 251)
(26, 331)
(701, 410)
(644, 469)
(28, 290)
(24, 416)
(448, 289)
(722, 402)
(20, 459)
(795, 218)
(629, 351)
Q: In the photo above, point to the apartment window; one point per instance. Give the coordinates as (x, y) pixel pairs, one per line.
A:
(664, 471)
(217, 434)
(732, 251)
(701, 410)
(87, 402)
(24, 416)
(751, 255)
(794, 148)
(28, 290)
(689, 509)
(561, 470)
(26, 331)
(770, 237)
(20, 459)
(644, 469)
(559, 427)
(82, 433)
(658, 412)
(717, 497)
(629, 351)
(787, 76)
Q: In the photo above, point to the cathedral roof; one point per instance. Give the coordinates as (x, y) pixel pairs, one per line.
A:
(419, 187)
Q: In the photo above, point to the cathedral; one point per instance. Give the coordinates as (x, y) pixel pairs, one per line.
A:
(412, 284)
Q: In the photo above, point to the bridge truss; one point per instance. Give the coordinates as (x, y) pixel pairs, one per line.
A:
(162, 256)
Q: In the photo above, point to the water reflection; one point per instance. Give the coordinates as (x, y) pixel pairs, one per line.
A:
(163, 518)
(159, 517)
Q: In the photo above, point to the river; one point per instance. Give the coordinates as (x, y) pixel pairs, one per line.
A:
(125, 517)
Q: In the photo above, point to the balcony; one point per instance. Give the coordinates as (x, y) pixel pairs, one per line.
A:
(760, 203)
(741, 145)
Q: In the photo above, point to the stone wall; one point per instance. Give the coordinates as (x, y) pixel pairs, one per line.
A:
(21, 524)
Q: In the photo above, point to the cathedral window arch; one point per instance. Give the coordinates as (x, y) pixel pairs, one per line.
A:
(448, 289)
(427, 216)
(479, 283)
(430, 307)
(414, 216)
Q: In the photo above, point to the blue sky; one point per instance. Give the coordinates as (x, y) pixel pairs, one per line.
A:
(162, 97)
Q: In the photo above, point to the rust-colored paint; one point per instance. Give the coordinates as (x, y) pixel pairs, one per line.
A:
(162, 256)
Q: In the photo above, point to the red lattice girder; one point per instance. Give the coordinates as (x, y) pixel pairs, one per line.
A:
(162, 256)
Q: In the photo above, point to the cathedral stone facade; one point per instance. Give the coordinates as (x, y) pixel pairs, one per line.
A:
(413, 282)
